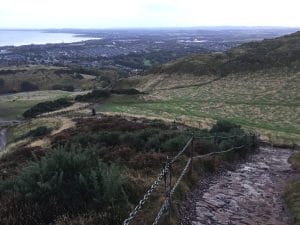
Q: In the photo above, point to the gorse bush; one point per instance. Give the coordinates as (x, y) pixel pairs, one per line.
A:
(80, 183)
(75, 179)
(93, 96)
(47, 106)
(149, 139)
(70, 176)
(130, 91)
(38, 132)
(223, 126)
(174, 144)
(61, 87)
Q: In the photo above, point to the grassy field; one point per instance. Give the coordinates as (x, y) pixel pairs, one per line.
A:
(266, 101)
(15, 132)
(12, 106)
(45, 77)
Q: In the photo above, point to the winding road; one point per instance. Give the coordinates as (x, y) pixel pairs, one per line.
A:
(249, 195)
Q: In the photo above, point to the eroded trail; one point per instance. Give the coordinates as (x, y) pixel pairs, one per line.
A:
(249, 195)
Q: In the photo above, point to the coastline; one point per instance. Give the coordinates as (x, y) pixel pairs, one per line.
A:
(10, 38)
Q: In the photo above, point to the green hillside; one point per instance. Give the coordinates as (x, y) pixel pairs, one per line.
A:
(272, 53)
(256, 85)
(33, 78)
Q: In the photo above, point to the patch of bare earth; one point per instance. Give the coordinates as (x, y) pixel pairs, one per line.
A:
(66, 124)
(249, 195)
(78, 106)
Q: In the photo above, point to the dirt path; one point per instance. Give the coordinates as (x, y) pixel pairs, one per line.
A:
(66, 124)
(249, 195)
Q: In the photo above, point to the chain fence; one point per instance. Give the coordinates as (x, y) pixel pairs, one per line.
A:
(169, 191)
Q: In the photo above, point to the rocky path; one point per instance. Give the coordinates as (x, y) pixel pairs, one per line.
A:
(249, 195)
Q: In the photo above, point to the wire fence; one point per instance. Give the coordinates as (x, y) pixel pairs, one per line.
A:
(167, 171)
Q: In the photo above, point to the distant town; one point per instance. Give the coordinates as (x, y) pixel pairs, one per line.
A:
(130, 51)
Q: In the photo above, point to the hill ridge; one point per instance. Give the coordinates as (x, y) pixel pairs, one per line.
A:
(275, 53)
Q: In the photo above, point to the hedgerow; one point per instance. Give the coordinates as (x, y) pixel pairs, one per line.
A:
(47, 106)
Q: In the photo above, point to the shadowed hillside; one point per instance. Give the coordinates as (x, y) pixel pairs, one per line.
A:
(279, 52)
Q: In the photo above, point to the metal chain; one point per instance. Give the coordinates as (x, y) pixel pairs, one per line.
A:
(166, 203)
(184, 171)
(147, 195)
(154, 186)
(216, 153)
(162, 211)
(182, 151)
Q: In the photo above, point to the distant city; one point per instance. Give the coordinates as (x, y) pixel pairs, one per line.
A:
(127, 51)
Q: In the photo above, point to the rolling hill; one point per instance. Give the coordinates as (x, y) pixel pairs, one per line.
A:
(256, 85)
(254, 56)
(38, 77)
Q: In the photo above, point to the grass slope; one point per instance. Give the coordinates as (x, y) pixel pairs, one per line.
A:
(12, 106)
(256, 85)
(265, 101)
(44, 77)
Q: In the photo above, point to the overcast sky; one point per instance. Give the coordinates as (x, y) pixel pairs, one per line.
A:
(147, 13)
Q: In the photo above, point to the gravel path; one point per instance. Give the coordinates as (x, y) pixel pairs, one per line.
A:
(249, 195)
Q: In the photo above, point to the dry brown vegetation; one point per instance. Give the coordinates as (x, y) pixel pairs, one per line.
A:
(138, 146)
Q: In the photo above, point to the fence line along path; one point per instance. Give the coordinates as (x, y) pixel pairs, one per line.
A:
(167, 172)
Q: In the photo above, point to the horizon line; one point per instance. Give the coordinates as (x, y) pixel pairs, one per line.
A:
(154, 27)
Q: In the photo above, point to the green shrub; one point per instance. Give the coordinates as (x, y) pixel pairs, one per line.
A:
(133, 140)
(38, 132)
(130, 91)
(147, 133)
(61, 87)
(74, 178)
(223, 126)
(95, 95)
(175, 144)
(153, 143)
(84, 139)
(47, 106)
(226, 144)
(68, 181)
(109, 138)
